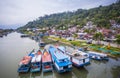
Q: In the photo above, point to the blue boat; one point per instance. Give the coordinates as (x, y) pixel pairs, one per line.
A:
(36, 62)
(24, 64)
(98, 56)
(60, 60)
(78, 58)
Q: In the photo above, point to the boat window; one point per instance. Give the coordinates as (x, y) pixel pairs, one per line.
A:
(37, 63)
(76, 54)
(47, 63)
(63, 60)
(65, 67)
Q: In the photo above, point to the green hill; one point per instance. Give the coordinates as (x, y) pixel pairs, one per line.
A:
(100, 16)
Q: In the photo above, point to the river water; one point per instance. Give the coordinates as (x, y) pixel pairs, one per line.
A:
(13, 48)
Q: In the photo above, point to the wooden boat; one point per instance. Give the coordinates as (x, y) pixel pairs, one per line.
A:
(46, 62)
(24, 64)
(41, 43)
(60, 60)
(98, 56)
(36, 62)
(78, 58)
(24, 35)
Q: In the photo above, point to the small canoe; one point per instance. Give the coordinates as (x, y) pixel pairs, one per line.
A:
(98, 56)
(46, 62)
(36, 62)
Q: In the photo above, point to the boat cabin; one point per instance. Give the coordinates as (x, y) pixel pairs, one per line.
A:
(60, 60)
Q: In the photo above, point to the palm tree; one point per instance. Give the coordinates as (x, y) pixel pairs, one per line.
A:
(98, 36)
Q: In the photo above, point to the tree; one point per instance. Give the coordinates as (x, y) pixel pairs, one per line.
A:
(98, 36)
(87, 30)
(75, 36)
(118, 39)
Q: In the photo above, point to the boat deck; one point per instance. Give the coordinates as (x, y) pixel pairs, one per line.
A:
(74, 53)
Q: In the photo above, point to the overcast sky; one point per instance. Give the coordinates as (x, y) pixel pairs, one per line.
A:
(18, 12)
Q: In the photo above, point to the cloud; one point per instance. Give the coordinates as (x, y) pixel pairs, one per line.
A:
(22, 11)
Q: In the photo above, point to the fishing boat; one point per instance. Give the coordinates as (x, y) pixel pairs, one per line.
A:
(60, 60)
(41, 43)
(46, 62)
(98, 56)
(78, 58)
(36, 62)
(24, 64)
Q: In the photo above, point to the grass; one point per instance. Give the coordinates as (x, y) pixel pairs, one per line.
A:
(95, 47)
(74, 43)
(100, 48)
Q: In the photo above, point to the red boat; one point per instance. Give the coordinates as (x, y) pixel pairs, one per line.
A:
(46, 62)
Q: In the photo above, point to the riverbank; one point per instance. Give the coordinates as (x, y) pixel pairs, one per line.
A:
(4, 32)
(110, 51)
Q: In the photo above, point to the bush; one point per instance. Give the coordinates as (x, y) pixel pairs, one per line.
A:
(75, 43)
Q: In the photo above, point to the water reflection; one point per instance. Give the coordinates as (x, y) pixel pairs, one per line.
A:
(24, 75)
(99, 62)
(80, 72)
(116, 72)
(48, 75)
(64, 75)
(36, 75)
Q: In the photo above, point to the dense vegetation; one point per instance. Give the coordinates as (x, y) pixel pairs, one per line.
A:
(100, 16)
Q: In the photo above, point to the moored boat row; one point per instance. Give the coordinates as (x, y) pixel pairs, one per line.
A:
(33, 62)
(59, 57)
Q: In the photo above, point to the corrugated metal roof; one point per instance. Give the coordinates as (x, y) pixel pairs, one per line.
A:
(61, 48)
(59, 55)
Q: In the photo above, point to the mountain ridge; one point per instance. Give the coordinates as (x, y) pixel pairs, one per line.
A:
(100, 16)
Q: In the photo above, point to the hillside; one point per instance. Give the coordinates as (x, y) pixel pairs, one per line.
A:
(100, 16)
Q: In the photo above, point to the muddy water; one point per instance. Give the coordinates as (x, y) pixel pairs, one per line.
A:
(13, 48)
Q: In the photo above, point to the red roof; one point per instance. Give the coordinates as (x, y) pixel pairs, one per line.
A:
(25, 60)
(46, 57)
(39, 52)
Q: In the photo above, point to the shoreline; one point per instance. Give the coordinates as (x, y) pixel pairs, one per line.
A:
(68, 43)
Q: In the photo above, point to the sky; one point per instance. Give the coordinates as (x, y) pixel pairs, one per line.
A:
(16, 13)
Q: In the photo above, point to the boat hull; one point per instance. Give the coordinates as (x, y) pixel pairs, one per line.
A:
(97, 57)
(63, 70)
(47, 69)
(23, 69)
(80, 65)
(35, 70)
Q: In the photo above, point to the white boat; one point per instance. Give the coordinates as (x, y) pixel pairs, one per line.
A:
(78, 58)
(97, 56)
(36, 62)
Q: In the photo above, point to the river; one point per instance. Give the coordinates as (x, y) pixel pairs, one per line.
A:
(13, 48)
